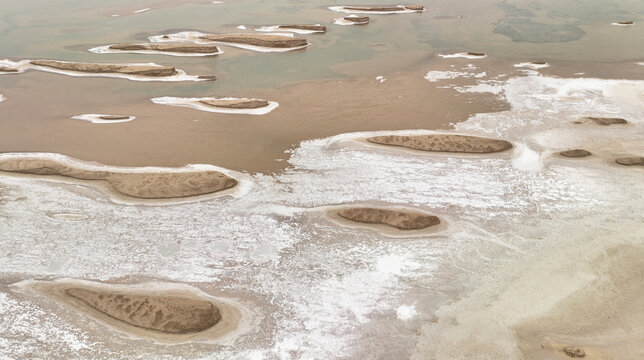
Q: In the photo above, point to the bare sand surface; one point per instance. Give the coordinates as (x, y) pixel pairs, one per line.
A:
(263, 40)
(631, 161)
(575, 153)
(167, 313)
(236, 104)
(140, 70)
(145, 185)
(603, 320)
(444, 143)
(177, 48)
(401, 220)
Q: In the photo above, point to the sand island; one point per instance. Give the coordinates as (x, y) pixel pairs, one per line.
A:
(444, 143)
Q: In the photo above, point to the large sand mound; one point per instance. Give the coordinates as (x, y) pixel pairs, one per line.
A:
(169, 314)
(147, 185)
(399, 219)
(177, 48)
(270, 41)
(444, 143)
(140, 70)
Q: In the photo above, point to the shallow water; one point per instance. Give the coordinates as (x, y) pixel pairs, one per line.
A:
(320, 290)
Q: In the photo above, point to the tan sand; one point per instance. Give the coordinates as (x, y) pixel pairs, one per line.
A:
(604, 320)
(113, 117)
(472, 53)
(6, 69)
(236, 103)
(444, 143)
(384, 8)
(146, 185)
(270, 41)
(625, 22)
(602, 121)
(359, 20)
(304, 27)
(401, 220)
(177, 48)
(141, 70)
(575, 153)
(168, 313)
(631, 161)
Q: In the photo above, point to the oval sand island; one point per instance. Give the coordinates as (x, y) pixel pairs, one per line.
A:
(604, 121)
(140, 183)
(575, 153)
(444, 143)
(163, 312)
(389, 220)
(255, 42)
(391, 9)
(631, 161)
(104, 118)
(296, 28)
(352, 20)
(226, 105)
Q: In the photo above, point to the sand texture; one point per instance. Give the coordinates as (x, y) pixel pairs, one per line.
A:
(603, 120)
(146, 185)
(399, 219)
(169, 314)
(270, 41)
(360, 20)
(304, 27)
(603, 320)
(575, 153)
(631, 161)
(141, 70)
(384, 8)
(236, 103)
(177, 48)
(444, 143)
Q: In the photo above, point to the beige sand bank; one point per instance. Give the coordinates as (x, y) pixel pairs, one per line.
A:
(269, 41)
(167, 313)
(164, 47)
(444, 143)
(146, 185)
(139, 70)
(399, 219)
(601, 121)
(575, 153)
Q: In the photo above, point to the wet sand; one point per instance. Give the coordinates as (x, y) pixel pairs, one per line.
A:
(167, 313)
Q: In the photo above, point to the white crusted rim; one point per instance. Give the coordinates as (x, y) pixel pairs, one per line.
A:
(462, 55)
(195, 37)
(195, 103)
(277, 28)
(96, 118)
(106, 50)
(531, 65)
(402, 10)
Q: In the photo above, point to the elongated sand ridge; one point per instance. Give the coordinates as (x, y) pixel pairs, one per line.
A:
(575, 153)
(269, 41)
(631, 161)
(399, 219)
(358, 20)
(169, 314)
(140, 70)
(145, 185)
(385, 9)
(444, 143)
(602, 120)
(163, 47)
(316, 28)
(236, 103)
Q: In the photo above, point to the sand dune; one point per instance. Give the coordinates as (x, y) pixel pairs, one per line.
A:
(146, 185)
(168, 314)
(444, 143)
(399, 219)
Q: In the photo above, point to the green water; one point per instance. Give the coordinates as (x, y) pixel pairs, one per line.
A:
(515, 29)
